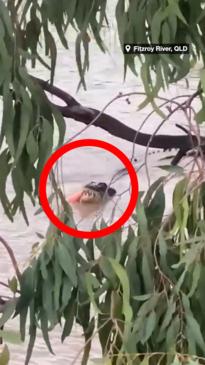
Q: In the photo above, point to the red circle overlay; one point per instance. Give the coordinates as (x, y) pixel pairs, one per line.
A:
(88, 143)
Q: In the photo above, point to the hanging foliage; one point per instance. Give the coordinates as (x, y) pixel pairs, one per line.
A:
(141, 293)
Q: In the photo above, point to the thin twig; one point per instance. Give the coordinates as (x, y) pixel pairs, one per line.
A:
(12, 257)
(88, 341)
(4, 284)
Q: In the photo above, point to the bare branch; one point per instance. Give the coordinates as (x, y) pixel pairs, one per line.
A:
(91, 116)
(12, 257)
(4, 284)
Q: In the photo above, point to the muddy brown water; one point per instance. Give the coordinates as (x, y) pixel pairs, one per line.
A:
(104, 82)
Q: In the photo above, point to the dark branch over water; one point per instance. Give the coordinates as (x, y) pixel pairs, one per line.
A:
(73, 109)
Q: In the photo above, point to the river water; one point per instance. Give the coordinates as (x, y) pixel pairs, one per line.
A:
(104, 82)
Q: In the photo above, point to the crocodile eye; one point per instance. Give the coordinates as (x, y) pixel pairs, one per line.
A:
(85, 192)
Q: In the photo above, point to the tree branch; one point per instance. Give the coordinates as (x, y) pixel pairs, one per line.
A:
(12, 257)
(4, 284)
(76, 111)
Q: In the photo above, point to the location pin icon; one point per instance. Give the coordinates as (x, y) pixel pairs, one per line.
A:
(127, 48)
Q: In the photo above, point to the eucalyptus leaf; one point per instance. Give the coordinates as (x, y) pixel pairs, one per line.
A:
(66, 262)
(4, 355)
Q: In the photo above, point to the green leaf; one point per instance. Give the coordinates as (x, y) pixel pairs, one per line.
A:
(70, 9)
(106, 268)
(165, 33)
(22, 320)
(156, 25)
(61, 34)
(193, 326)
(147, 272)
(43, 266)
(150, 324)
(47, 298)
(78, 57)
(9, 309)
(172, 21)
(143, 223)
(143, 297)
(20, 184)
(4, 355)
(66, 262)
(195, 278)
(172, 169)
(92, 283)
(32, 146)
(146, 79)
(90, 250)
(25, 116)
(58, 274)
(5, 168)
(116, 305)
(66, 291)
(155, 91)
(195, 331)
(149, 305)
(121, 18)
(200, 115)
(60, 124)
(53, 53)
(13, 284)
(4, 14)
(174, 7)
(27, 288)
(46, 143)
(171, 308)
(202, 78)
(164, 257)
(180, 281)
(69, 314)
(171, 334)
(180, 203)
(151, 190)
(97, 36)
(44, 328)
(155, 210)
(8, 117)
(122, 275)
(6, 59)
(30, 345)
